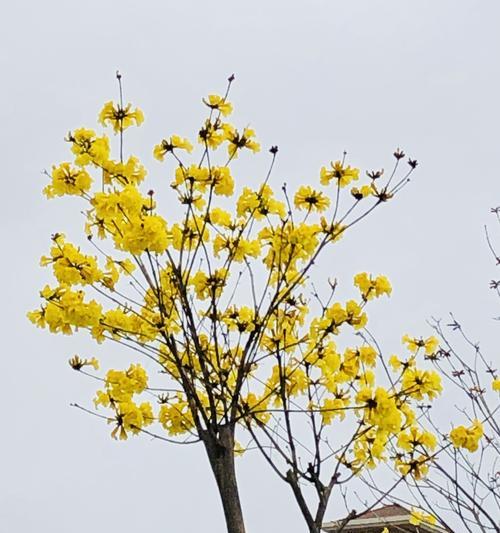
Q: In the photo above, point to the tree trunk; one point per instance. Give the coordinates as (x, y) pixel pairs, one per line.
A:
(220, 450)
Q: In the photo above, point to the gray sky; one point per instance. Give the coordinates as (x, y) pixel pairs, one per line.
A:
(313, 77)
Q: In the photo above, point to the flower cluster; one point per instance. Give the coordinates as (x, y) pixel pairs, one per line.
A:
(467, 437)
(121, 387)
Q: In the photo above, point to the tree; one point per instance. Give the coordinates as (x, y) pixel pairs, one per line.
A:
(218, 302)
(463, 483)
(464, 480)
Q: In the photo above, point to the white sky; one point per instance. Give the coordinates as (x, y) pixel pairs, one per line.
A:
(314, 77)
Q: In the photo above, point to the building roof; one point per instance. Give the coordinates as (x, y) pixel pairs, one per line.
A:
(395, 517)
(387, 510)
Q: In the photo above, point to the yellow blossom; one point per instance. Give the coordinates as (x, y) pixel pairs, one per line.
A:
(238, 248)
(126, 266)
(309, 199)
(120, 118)
(331, 408)
(77, 363)
(342, 174)
(144, 233)
(257, 406)
(355, 315)
(219, 103)
(70, 266)
(414, 437)
(372, 287)
(222, 181)
(415, 466)
(417, 517)
(430, 344)
(420, 383)
(467, 438)
(208, 286)
(123, 173)
(259, 203)
(368, 355)
(380, 409)
(220, 217)
(68, 180)
(88, 148)
(176, 417)
(166, 146)
(362, 192)
(213, 133)
(238, 141)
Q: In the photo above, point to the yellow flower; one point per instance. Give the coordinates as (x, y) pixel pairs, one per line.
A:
(362, 192)
(144, 233)
(195, 176)
(213, 133)
(355, 316)
(237, 141)
(88, 148)
(334, 230)
(70, 266)
(307, 198)
(168, 146)
(68, 180)
(343, 174)
(188, 236)
(219, 103)
(417, 517)
(66, 310)
(209, 286)
(76, 363)
(220, 217)
(257, 406)
(397, 364)
(414, 437)
(467, 438)
(222, 181)
(120, 118)
(176, 417)
(238, 248)
(242, 319)
(417, 467)
(430, 344)
(259, 203)
(371, 288)
(294, 380)
(408, 413)
(131, 417)
(495, 385)
(126, 266)
(331, 408)
(419, 383)
(380, 409)
(382, 286)
(368, 355)
(130, 172)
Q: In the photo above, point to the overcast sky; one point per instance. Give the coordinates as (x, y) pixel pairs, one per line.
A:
(314, 77)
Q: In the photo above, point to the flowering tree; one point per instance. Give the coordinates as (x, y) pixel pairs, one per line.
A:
(219, 301)
(462, 485)
(464, 479)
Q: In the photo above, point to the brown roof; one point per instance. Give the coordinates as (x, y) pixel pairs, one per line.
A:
(385, 511)
(394, 517)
